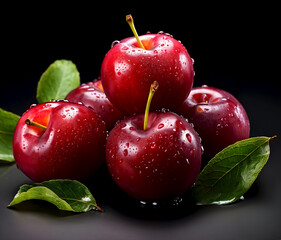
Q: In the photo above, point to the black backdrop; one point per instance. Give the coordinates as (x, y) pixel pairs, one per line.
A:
(230, 43)
(234, 48)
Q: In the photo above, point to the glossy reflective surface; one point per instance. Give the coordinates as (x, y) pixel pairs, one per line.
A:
(233, 48)
(127, 72)
(162, 161)
(91, 94)
(71, 147)
(218, 117)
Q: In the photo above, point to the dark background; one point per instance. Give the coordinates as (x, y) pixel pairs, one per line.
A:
(234, 48)
(233, 45)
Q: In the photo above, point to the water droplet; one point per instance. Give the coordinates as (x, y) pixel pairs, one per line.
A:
(204, 98)
(177, 201)
(61, 100)
(124, 48)
(188, 137)
(138, 139)
(114, 43)
(191, 151)
(32, 105)
(123, 125)
(161, 125)
(187, 161)
(164, 33)
(164, 110)
(202, 149)
(153, 145)
(125, 152)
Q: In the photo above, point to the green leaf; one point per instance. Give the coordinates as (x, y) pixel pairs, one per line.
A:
(231, 172)
(57, 81)
(8, 122)
(68, 195)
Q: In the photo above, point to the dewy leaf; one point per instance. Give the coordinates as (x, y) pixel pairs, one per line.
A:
(57, 81)
(28, 192)
(8, 122)
(231, 172)
(68, 195)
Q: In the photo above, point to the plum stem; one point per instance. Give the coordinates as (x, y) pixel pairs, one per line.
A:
(32, 123)
(153, 88)
(130, 21)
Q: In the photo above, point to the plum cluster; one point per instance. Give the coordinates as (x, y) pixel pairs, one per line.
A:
(150, 156)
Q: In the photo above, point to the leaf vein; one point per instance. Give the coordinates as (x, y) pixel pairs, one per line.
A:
(6, 132)
(85, 202)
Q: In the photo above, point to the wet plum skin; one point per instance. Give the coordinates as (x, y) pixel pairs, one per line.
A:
(160, 162)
